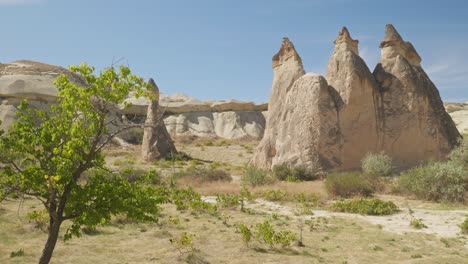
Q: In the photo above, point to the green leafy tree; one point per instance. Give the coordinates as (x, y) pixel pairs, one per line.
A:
(47, 153)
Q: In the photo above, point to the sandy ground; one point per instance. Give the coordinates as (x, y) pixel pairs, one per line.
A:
(443, 223)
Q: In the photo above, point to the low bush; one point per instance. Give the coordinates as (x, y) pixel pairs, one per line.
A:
(365, 206)
(254, 176)
(202, 174)
(133, 135)
(349, 184)
(438, 181)
(283, 172)
(377, 165)
(275, 195)
(464, 227)
(133, 175)
(460, 154)
(228, 200)
(266, 234)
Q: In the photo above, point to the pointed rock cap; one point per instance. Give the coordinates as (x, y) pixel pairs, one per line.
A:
(155, 90)
(286, 52)
(391, 36)
(344, 36)
(344, 42)
(393, 45)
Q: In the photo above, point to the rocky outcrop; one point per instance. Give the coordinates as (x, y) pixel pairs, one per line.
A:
(413, 123)
(299, 140)
(350, 77)
(332, 125)
(157, 143)
(184, 115)
(230, 125)
(287, 68)
(28, 80)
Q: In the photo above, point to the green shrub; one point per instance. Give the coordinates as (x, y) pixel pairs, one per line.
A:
(204, 174)
(275, 195)
(460, 154)
(179, 156)
(246, 234)
(365, 206)
(134, 135)
(464, 227)
(349, 184)
(40, 219)
(417, 223)
(438, 181)
(254, 176)
(133, 175)
(283, 172)
(377, 165)
(228, 200)
(266, 234)
(18, 253)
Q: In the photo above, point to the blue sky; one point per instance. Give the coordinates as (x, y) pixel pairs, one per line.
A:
(214, 49)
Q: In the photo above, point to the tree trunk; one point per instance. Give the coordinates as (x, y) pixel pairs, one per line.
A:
(54, 228)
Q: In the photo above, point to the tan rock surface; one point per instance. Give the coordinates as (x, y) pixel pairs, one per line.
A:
(157, 143)
(287, 68)
(349, 75)
(308, 134)
(413, 123)
(397, 109)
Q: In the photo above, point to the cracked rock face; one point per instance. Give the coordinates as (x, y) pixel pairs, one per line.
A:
(157, 143)
(333, 122)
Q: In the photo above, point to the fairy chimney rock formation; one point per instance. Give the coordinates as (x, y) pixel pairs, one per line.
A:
(333, 122)
(413, 123)
(157, 142)
(287, 68)
(349, 76)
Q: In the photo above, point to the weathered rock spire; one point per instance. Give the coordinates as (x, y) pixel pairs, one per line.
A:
(344, 39)
(286, 52)
(393, 45)
(157, 142)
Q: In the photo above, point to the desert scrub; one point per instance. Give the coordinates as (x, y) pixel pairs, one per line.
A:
(349, 184)
(184, 244)
(254, 176)
(437, 181)
(201, 174)
(365, 206)
(275, 195)
(228, 200)
(417, 223)
(464, 227)
(266, 234)
(377, 165)
(460, 154)
(39, 219)
(246, 234)
(284, 172)
(133, 175)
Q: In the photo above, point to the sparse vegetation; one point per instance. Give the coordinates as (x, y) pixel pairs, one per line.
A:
(255, 176)
(284, 172)
(365, 206)
(349, 184)
(464, 227)
(203, 174)
(266, 234)
(377, 165)
(437, 181)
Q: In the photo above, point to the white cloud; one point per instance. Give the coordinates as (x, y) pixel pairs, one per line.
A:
(19, 2)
